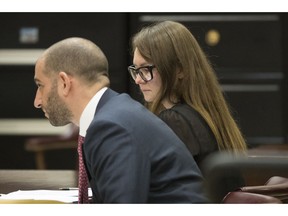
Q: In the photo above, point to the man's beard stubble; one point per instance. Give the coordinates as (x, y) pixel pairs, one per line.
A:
(58, 112)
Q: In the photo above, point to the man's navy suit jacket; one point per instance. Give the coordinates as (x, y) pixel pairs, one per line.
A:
(134, 157)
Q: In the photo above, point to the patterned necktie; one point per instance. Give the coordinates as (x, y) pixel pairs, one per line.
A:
(83, 178)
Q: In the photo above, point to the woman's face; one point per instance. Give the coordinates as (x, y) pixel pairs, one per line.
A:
(151, 88)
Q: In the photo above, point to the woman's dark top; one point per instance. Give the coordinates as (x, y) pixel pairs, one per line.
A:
(192, 129)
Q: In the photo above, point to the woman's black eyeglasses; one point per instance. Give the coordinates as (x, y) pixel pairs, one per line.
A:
(145, 72)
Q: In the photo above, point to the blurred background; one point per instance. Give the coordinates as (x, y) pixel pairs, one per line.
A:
(247, 50)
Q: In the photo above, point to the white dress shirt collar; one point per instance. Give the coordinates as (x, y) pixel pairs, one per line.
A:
(89, 112)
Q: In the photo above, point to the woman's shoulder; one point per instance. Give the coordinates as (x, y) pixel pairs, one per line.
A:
(184, 108)
(180, 110)
(192, 129)
(185, 116)
(182, 115)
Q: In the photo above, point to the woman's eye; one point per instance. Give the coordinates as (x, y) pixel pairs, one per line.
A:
(144, 70)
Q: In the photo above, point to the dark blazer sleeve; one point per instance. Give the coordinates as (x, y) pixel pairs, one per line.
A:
(120, 171)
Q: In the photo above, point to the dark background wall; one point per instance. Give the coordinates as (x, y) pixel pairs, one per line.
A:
(249, 59)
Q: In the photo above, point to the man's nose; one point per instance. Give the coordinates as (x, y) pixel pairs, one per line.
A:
(37, 100)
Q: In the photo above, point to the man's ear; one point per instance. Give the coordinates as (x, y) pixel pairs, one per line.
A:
(64, 84)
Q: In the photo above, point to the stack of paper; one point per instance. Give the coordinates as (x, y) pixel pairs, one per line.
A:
(61, 196)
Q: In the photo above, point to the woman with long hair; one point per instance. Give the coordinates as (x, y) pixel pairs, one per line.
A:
(180, 86)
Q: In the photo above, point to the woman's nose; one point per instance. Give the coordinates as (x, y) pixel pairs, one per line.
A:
(139, 80)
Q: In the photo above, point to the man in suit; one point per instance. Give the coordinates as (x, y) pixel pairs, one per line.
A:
(130, 155)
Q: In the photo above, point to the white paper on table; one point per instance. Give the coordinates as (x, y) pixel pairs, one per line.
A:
(66, 196)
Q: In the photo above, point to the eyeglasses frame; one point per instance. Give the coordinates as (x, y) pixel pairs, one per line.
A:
(149, 67)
